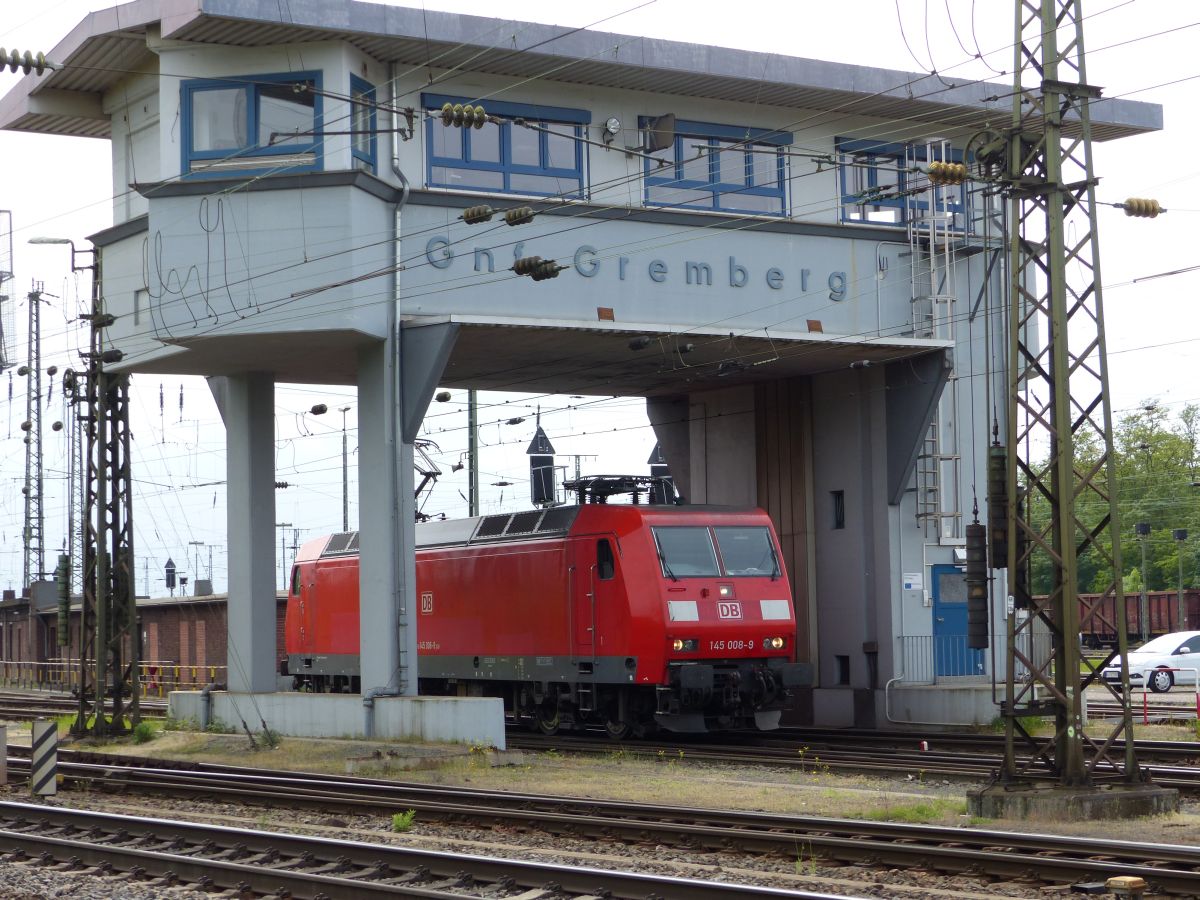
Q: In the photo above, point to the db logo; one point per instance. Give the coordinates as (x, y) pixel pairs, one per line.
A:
(727, 609)
(427, 603)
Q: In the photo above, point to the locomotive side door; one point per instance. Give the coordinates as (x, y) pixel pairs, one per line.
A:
(302, 595)
(593, 573)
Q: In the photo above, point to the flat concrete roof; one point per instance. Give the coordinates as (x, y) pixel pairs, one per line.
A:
(106, 46)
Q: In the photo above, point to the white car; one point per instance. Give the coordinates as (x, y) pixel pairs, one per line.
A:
(1159, 663)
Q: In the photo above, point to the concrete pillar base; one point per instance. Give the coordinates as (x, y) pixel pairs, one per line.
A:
(1072, 804)
(468, 720)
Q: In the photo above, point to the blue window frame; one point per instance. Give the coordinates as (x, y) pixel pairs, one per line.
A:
(363, 124)
(252, 124)
(509, 158)
(719, 167)
(879, 188)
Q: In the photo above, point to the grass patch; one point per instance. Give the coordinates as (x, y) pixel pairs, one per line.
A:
(806, 860)
(403, 821)
(143, 733)
(922, 812)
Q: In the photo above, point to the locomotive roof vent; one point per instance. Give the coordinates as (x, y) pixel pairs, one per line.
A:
(524, 522)
(558, 518)
(340, 543)
(492, 526)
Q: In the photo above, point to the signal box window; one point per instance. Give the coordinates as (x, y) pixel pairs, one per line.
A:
(747, 551)
(719, 167)
(257, 124)
(362, 124)
(880, 187)
(542, 157)
(685, 551)
(605, 564)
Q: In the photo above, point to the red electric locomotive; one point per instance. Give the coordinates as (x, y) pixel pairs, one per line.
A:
(618, 616)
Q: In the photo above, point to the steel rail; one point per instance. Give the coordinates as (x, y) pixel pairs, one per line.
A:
(955, 850)
(264, 862)
(831, 754)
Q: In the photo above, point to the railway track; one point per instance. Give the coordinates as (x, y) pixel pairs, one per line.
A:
(1152, 751)
(23, 706)
(1050, 860)
(817, 737)
(164, 852)
(964, 757)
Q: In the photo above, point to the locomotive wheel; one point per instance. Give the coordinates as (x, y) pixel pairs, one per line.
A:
(618, 730)
(546, 720)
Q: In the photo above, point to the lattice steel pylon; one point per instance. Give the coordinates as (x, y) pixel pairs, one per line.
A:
(108, 654)
(33, 532)
(1060, 461)
(7, 334)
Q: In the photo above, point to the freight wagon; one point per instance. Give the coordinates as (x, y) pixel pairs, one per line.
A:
(1162, 616)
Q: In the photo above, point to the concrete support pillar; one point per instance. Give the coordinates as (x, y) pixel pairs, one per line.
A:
(669, 418)
(396, 379)
(722, 442)
(385, 497)
(247, 404)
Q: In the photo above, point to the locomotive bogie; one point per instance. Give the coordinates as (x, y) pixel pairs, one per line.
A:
(624, 618)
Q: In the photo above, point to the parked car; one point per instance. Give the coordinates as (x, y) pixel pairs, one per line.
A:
(1159, 663)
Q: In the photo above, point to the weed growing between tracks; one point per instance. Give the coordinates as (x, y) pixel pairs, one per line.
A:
(922, 812)
(806, 860)
(812, 765)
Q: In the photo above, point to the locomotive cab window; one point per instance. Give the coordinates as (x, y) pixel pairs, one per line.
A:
(747, 550)
(295, 580)
(685, 551)
(606, 566)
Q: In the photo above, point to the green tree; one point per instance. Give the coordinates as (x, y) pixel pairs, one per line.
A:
(1155, 469)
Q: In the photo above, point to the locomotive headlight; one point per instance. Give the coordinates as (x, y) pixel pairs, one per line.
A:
(685, 644)
(774, 643)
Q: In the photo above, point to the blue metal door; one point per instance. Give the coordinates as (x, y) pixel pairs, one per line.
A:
(950, 652)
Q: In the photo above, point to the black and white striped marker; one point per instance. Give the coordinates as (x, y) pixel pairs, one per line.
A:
(44, 766)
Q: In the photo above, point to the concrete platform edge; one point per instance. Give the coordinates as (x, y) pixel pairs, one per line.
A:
(478, 721)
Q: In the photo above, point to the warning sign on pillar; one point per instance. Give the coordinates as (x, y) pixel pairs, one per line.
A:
(43, 777)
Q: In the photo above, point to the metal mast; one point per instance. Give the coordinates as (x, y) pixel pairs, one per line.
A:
(35, 520)
(109, 651)
(76, 497)
(6, 274)
(1060, 460)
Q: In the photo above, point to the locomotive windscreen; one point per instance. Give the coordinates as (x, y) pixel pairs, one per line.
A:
(747, 550)
(686, 551)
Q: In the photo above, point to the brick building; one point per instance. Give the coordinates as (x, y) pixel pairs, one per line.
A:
(184, 639)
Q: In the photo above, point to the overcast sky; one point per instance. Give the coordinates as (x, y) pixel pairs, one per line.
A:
(54, 186)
